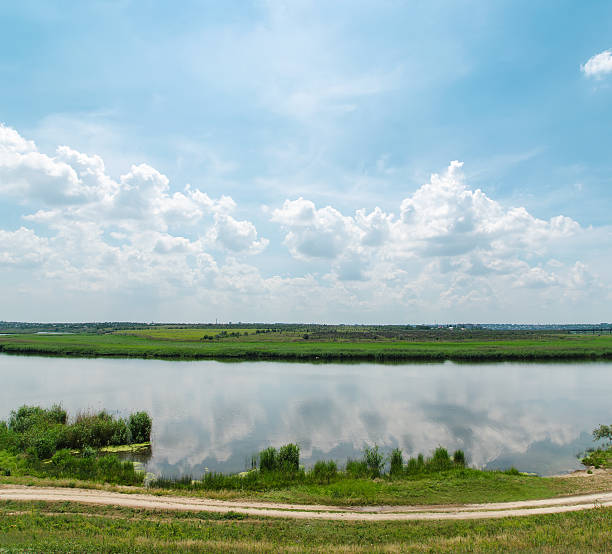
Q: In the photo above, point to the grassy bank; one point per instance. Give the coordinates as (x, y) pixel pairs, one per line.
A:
(278, 477)
(64, 527)
(294, 347)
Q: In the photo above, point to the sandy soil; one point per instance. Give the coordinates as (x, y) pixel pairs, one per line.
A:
(363, 513)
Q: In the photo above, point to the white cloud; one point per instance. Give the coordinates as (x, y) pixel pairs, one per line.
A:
(104, 234)
(22, 248)
(314, 233)
(448, 249)
(237, 236)
(598, 65)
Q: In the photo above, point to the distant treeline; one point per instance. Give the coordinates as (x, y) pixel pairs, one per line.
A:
(314, 328)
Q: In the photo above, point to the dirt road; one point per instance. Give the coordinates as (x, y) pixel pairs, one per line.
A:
(362, 513)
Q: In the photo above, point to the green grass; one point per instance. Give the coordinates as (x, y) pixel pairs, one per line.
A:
(288, 347)
(71, 527)
(457, 486)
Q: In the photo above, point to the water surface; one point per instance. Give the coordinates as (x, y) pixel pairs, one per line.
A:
(215, 415)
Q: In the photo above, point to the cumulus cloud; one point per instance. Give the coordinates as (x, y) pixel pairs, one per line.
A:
(103, 234)
(598, 65)
(449, 248)
(22, 248)
(443, 219)
(237, 236)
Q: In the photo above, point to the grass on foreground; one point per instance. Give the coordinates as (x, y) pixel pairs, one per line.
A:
(458, 486)
(568, 347)
(461, 487)
(69, 527)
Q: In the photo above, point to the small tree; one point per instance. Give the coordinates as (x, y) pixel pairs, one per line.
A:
(374, 460)
(603, 432)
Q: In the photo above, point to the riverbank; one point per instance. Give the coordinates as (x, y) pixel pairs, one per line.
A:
(281, 346)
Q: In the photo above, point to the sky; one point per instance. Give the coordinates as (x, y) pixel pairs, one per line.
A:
(306, 161)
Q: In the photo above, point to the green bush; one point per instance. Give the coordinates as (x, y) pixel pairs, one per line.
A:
(374, 460)
(412, 466)
(324, 472)
(397, 462)
(46, 430)
(459, 458)
(88, 452)
(61, 458)
(140, 426)
(440, 460)
(268, 459)
(289, 457)
(44, 439)
(28, 416)
(420, 461)
(9, 439)
(357, 468)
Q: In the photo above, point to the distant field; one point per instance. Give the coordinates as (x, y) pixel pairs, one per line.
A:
(169, 333)
(298, 346)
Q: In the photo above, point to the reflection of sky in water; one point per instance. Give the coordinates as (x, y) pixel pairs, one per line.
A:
(213, 415)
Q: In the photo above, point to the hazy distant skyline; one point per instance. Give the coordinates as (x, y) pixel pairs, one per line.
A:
(343, 162)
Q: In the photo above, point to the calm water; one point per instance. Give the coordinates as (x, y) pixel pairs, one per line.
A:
(214, 415)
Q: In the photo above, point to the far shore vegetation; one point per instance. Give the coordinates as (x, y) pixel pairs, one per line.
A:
(313, 343)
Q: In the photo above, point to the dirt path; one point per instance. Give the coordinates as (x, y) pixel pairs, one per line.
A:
(363, 513)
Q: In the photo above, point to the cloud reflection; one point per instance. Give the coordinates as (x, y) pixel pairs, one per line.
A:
(216, 415)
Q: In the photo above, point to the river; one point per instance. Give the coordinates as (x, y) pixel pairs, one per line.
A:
(213, 416)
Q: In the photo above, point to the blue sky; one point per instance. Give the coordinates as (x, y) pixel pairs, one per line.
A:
(292, 122)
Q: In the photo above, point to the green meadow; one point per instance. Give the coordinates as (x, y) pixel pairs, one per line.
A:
(71, 527)
(306, 345)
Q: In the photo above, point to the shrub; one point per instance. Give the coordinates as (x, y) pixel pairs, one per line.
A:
(44, 440)
(412, 466)
(140, 426)
(420, 462)
(9, 440)
(62, 458)
(397, 463)
(289, 457)
(374, 460)
(440, 460)
(88, 452)
(122, 434)
(357, 468)
(28, 416)
(459, 458)
(324, 472)
(268, 459)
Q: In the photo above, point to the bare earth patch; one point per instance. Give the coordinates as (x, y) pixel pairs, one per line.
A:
(296, 511)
